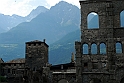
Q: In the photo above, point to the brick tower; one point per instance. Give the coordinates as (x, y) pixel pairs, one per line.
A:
(100, 53)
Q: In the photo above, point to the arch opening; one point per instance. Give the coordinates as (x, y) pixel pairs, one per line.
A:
(102, 48)
(93, 48)
(118, 47)
(95, 80)
(63, 81)
(85, 48)
(122, 18)
(93, 20)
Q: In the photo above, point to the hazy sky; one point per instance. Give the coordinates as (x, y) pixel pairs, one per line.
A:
(24, 7)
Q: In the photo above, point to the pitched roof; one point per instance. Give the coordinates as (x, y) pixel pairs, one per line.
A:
(1, 60)
(19, 60)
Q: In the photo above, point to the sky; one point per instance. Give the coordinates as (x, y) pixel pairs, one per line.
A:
(24, 7)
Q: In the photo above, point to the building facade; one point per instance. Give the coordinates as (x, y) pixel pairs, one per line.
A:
(100, 53)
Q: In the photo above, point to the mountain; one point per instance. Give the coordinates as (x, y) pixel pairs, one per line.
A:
(94, 22)
(7, 22)
(61, 51)
(35, 12)
(51, 25)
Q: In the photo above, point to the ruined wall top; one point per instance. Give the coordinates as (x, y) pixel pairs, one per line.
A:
(37, 42)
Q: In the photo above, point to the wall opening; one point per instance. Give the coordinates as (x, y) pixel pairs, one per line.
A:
(102, 48)
(118, 47)
(95, 65)
(122, 80)
(93, 20)
(95, 80)
(93, 48)
(122, 18)
(85, 64)
(85, 48)
(63, 81)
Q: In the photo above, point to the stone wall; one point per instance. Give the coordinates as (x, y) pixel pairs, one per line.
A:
(100, 67)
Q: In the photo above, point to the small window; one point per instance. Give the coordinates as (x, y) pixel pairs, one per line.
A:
(122, 18)
(34, 69)
(13, 71)
(14, 64)
(118, 47)
(29, 44)
(102, 48)
(95, 65)
(85, 64)
(8, 70)
(93, 49)
(85, 49)
(9, 64)
(34, 44)
(93, 20)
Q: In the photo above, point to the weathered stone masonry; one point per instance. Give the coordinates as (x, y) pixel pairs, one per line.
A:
(105, 67)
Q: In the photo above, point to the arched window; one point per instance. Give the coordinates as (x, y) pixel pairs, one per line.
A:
(118, 47)
(93, 20)
(94, 49)
(85, 48)
(63, 81)
(102, 48)
(122, 18)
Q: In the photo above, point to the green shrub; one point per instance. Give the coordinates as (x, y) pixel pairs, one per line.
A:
(2, 79)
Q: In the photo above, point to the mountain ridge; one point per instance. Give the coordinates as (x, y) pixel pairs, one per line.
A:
(7, 22)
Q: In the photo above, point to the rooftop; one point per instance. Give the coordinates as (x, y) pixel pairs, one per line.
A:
(19, 60)
(1, 60)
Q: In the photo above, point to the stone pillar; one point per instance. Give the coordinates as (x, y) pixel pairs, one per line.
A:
(78, 62)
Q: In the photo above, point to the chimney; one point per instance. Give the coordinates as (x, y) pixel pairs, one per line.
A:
(44, 40)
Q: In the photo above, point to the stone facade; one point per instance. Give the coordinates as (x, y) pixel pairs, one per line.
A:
(98, 67)
(36, 61)
(36, 54)
(63, 73)
(99, 53)
(11, 70)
